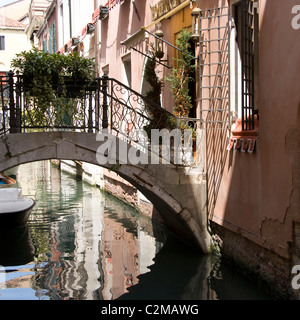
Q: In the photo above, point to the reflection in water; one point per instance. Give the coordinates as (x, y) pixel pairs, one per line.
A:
(16, 240)
(180, 273)
(83, 244)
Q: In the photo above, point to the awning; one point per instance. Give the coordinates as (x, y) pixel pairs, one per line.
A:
(139, 36)
(170, 13)
(88, 29)
(96, 15)
(134, 39)
(113, 3)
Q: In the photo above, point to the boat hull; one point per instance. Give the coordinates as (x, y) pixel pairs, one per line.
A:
(16, 218)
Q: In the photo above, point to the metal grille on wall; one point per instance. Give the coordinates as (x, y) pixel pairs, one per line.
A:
(214, 68)
(214, 94)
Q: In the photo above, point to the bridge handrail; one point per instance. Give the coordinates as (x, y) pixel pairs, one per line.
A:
(145, 99)
(137, 111)
(107, 104)
(119, 104)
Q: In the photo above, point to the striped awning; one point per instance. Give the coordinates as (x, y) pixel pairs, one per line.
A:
(112, 3)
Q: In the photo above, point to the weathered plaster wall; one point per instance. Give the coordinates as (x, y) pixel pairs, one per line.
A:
(279, 104)
(256, 189)
(258, 198)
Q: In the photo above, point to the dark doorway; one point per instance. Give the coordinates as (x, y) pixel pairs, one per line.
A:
(192, 83)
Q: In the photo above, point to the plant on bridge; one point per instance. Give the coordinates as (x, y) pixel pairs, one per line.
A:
(159, 119)
(54, 86)
(180, 77)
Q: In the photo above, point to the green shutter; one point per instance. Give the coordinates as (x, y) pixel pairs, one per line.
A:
(50, 39)
(54, 37)
(44, 45)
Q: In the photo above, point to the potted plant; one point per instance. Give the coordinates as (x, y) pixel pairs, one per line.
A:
(53, 86)
(179, 77)
(159, 118)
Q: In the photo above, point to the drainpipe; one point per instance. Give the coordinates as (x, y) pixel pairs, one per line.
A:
(70, 19)
(96, 43)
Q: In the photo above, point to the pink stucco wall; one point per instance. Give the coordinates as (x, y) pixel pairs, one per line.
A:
(112, 52)
(259, 196)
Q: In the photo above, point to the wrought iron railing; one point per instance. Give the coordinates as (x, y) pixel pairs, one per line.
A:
(104, 104)
(4, 109)
(130, 112)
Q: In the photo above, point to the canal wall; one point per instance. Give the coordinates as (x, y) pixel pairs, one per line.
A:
(264, 267)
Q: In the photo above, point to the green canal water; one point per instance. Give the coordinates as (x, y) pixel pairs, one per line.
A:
(82, 244)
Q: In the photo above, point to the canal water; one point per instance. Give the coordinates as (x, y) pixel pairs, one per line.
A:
(83, 244)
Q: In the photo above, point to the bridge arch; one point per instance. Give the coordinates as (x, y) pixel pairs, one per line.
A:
(165, 186)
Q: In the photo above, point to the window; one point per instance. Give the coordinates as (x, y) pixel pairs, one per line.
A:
(127, 70)
(2, 42)
(61, 26)
(243, 67)
(105, 70)
(245, 17)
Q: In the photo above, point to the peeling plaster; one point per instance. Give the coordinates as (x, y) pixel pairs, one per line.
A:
(278, 234)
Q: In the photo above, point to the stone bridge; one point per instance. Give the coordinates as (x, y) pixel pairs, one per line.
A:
(179, 197)
(31, 131)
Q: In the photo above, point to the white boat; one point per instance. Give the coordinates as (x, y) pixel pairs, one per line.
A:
(14, 208)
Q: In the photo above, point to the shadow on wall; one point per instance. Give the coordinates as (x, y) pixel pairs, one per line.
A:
(256, 196)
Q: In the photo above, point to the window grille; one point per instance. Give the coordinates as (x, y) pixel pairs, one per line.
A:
(247, 55)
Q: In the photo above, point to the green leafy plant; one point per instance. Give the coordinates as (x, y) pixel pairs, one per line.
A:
(54, 86)
(179, 77)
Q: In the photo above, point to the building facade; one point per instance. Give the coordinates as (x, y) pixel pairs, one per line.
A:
(12, 41)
